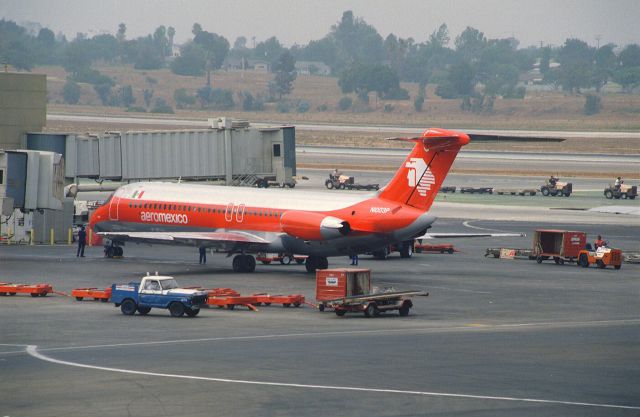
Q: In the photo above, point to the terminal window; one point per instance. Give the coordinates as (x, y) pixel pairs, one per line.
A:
(276, 149)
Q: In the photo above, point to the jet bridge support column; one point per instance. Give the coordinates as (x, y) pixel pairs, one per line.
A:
(228, 156)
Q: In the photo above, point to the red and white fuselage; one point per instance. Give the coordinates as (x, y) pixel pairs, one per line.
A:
(292, 221)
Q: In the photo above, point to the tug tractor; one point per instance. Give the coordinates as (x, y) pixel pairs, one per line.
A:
(339, 182)
(559, 189)
(603, 256)
(624, 192)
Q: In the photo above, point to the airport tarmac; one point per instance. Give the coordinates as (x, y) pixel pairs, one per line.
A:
(494, 338)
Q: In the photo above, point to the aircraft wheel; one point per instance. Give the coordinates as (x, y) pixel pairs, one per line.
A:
(237, 263)
(340, 313)
(322, 263)
(248, 263)
(407, 250)
(311, 264)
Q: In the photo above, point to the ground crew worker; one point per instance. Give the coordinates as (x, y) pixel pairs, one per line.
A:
(354, 259)
(82, 242)
(617, 183)
(598, 243)
(552, 181)
(203, 255)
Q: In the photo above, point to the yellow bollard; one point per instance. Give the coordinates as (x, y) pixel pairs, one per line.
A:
(52, 237)
(69, 237)
(90, 242)
(33, 237)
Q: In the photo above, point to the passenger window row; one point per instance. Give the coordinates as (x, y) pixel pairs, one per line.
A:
(199, 209)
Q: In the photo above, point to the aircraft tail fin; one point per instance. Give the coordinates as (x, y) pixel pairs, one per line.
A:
(419, 178)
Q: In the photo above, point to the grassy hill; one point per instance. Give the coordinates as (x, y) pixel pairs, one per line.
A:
(538, 110)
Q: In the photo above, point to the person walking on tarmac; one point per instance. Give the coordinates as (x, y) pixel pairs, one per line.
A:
(599, 243)
(203, 255)
(82, 242)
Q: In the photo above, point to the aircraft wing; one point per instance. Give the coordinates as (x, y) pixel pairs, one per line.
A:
(467, 235)
(221, 239)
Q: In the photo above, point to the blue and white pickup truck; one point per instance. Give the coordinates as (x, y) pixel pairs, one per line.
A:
(156, 291)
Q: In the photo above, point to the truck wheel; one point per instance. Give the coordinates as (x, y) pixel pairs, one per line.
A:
(230, 306)
(328, 184)
(79, 298)
(404, 310)
(128, 307)
(608, 194)
(618, 266)
(539, 259)
(144, 310)
(176, 309)
(340, 313)
(192, 312)
(583, 261)
(34, 294)
(104, 300)
(624, 196)
(601, 264)
(285, 260)
(265, 262)
(371, 310)
(544, 191)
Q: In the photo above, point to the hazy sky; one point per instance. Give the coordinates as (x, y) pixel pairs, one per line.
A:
(298, 21)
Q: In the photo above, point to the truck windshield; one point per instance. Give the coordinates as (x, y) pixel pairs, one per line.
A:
(169, 284)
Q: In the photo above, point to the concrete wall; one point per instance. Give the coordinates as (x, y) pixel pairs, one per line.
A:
(23, 107)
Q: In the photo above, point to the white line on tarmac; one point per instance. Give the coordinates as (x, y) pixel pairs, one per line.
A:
(468, 224)
(487, 327)
(33, 351)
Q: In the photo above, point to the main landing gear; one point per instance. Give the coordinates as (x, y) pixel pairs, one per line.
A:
(113, 250)
(244, 263)
(316, 262)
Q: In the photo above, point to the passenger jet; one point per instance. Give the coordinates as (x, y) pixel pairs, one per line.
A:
(245, 221)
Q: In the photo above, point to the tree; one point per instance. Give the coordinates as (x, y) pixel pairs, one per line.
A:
(269, 50)
(439, 38)
(171, 33)
(605, 62)
(286, 74)
(628, 78)
(576, 66)
(71, 92)
(147, 54)
(356, 41)
(630, 56)
(76, 57)
(126, 96)
(458, 83)
(215, 49)
(240, 43)
(192, 60)
(470, 43)
(592, 104)
(104, 92)
(122, 32)
(183, 99)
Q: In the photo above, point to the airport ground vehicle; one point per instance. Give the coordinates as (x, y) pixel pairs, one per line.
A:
(603, 257)
(427, 247)
(155, 291)
(283, 258)
(479, 190)
(341, 182)
(557, 189)
(559, 245)
(624, 192)
(448, 189)
(349, 290)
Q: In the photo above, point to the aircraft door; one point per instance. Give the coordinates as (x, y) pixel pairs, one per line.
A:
(113, 208)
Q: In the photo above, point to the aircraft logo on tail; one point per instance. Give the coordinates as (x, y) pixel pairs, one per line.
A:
(419, 174)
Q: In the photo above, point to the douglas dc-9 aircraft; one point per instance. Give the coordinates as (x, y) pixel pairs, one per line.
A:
(244, 221)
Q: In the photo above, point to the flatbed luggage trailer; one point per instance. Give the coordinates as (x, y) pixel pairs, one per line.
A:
(349, 290)
(36, 290)
(560, 245)
(95, 293)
